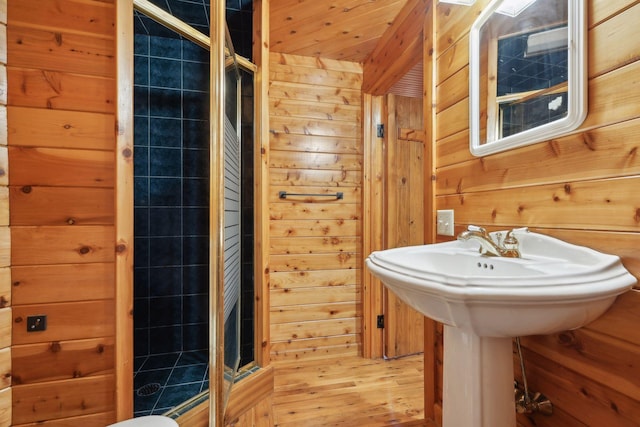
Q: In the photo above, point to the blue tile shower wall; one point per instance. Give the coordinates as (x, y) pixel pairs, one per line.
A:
(171, 195)
(239, 20)
(239, 16)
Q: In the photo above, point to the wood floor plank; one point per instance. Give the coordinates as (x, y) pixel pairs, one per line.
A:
(350, 392)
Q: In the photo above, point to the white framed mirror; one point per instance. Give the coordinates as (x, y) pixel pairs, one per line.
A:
(527, 73)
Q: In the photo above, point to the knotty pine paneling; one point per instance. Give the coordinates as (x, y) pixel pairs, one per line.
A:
(5, 406)
(315, 143)
(81, 396)
(61, 141)
(48, 361)
(340, 29)
(62, 245)
(35, 127)
(93, 420)
(61, 205)
(315, 243)
(61, 167)
(6, 320)
(398, 50)
(72, 52)
(58, 90)
(5, 269)
(5, 368)
(65, 321)
(581, 188)
(90, 18)
(6, 296)
(39, 284)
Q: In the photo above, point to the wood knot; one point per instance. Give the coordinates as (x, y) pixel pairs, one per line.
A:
(71, 221)
(120, 248)
(16, 283)
(26, 189)
(55, 347)
(127, 153)
(570, 340)
(588, 141)
(18, 319)
(84, 250)
(3, 302)
(100, 348)
(2, 172)
(567, 188)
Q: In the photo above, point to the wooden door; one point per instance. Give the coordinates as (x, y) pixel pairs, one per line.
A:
(404, 225)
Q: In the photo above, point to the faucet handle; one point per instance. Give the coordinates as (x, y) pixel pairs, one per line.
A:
(479, 229)
(510, 241)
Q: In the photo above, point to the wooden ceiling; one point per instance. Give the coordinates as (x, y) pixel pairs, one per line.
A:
(336, 29)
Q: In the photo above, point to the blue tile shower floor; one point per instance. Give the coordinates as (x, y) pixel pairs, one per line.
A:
(161, 382)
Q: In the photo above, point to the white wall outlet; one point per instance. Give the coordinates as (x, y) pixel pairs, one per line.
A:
(445, 223)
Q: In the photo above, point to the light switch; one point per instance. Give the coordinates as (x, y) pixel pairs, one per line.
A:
(445, 222)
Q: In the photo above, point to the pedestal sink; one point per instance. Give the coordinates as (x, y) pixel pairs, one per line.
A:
(484, 302)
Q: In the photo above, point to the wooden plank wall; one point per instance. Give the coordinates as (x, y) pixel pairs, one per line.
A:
(5, 241)
(61, 103)
(315, 242)
(582, 188)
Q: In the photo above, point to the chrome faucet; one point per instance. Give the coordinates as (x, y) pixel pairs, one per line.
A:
(488, 247)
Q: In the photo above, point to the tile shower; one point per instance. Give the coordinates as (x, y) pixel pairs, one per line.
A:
(171, 199)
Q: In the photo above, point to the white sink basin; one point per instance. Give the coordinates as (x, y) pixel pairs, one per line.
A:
(486, 301)
(554, 286)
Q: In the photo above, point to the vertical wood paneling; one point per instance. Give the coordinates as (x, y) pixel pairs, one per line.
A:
(373, 226)
(61, 136)
(124, 235)
(306, 138)
(404, 195)
(261, 180)
(581, 188)
(5, 269)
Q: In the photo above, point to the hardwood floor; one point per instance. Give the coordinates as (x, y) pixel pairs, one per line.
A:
(350, 391)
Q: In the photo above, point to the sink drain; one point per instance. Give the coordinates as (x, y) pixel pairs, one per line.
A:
(148, 389)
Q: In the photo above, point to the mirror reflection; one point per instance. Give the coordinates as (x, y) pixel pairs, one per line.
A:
(526, 73)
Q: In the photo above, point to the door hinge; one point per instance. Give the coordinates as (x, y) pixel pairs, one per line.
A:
(380, 131)
(380, 321)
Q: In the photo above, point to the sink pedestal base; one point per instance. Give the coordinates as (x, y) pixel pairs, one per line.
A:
(478, 380)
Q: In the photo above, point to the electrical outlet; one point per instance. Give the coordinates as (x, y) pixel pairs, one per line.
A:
(36, 323)
(445, 222)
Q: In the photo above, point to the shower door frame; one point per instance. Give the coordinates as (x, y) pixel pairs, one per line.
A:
(124, 208)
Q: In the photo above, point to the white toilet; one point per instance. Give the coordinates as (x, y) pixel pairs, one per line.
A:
(147, 421)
